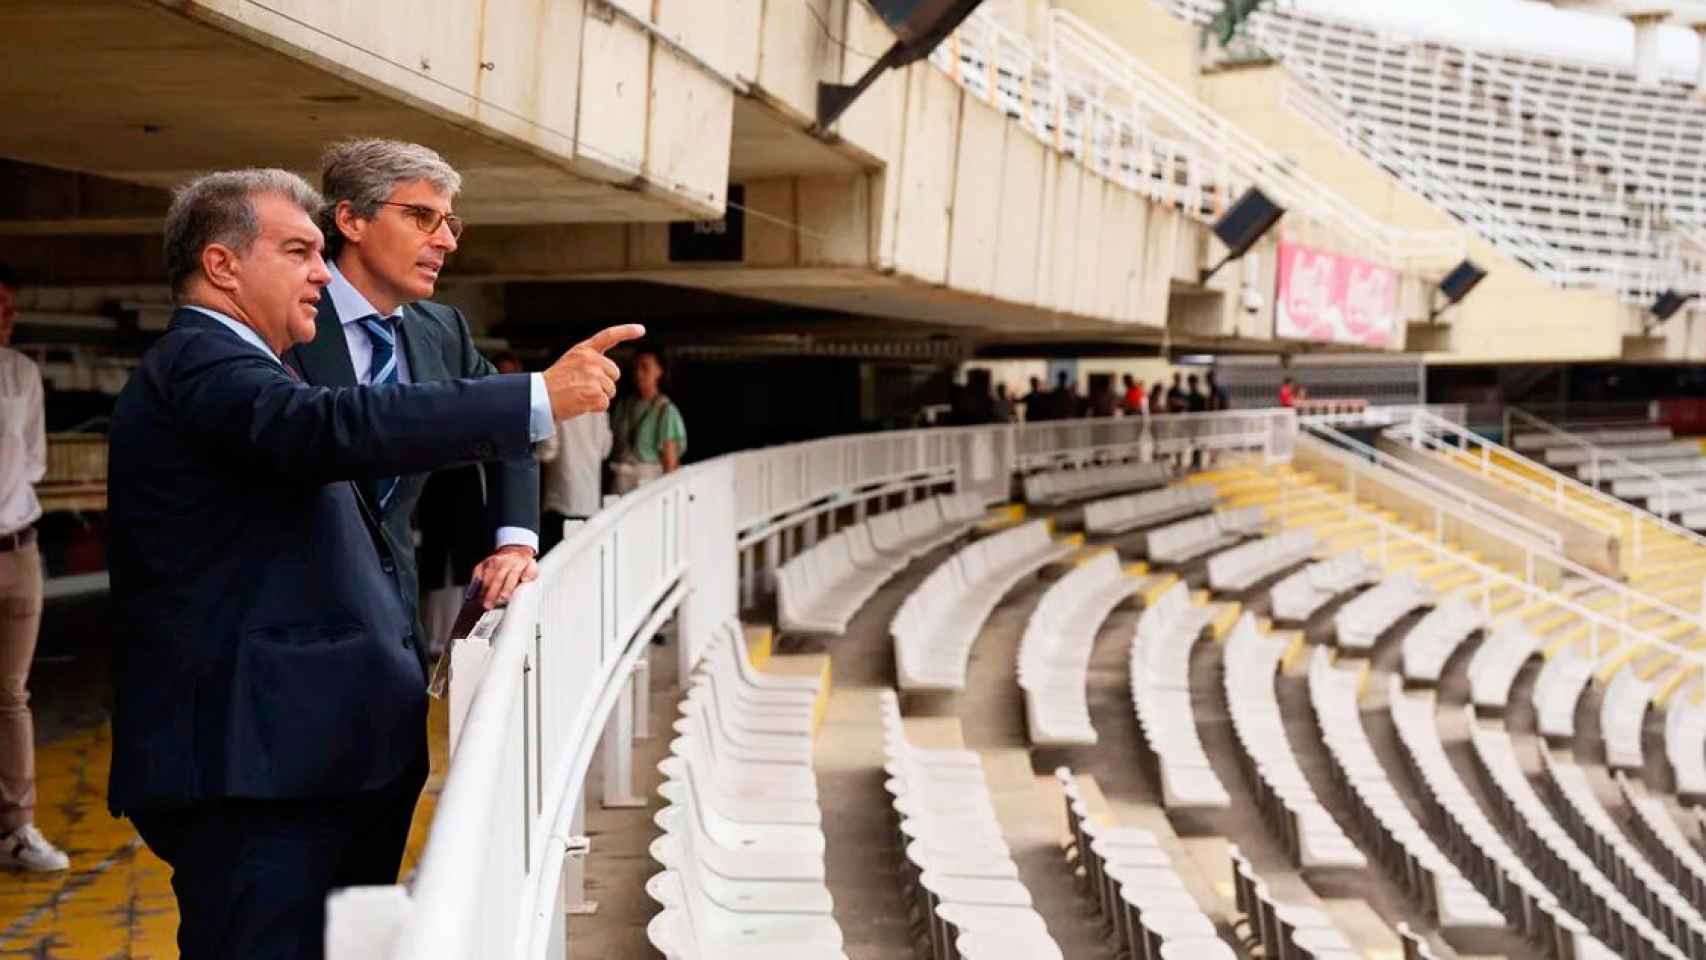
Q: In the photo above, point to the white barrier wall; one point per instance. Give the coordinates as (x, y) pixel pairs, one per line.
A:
(556, 673)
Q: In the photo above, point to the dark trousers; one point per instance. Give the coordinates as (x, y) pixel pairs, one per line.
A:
(551, 529)
(251, 876)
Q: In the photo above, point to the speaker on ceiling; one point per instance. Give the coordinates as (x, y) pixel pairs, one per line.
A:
(1241, 226)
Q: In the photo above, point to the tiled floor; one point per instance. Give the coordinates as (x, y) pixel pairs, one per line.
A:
(116, 901)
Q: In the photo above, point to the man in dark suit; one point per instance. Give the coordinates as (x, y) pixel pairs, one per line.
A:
(389, 227)
(269, 712)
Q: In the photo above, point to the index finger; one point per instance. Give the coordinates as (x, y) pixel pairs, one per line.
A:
(610, 336)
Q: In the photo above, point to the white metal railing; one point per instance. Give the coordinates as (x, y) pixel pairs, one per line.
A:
(1085, 96)
(1565, 494)
(1388, 536)
(1540, 545)
(1672, 497)
(537, 685)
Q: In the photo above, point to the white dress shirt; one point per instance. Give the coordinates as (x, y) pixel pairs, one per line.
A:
(23, 440)
(573, 463)
(353, 307)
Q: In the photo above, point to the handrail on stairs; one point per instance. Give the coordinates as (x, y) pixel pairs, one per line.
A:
(1598, 455)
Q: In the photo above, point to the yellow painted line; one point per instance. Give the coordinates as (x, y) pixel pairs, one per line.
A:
(1662, 696)
(1294, 651)
(1224, 620)
(806, 665)
(1162, 584)
(1137, 569)
(1071, 539)
(1655, 666)
(1618, 660)
(760, 644)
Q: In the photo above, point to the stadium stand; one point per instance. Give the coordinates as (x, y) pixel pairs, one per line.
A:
(1621, 714)
(1283, 929)
(1656, 830)
(1161, 695)
(1431, 642)
(1054, 487)
(1186, 540)
(1371, 613)
(1297, 597)
(1557, 692)
(1685, 747)
(1494, 665)
(1243, 566)
(1117, 515)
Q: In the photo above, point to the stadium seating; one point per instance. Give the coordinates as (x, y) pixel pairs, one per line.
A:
(1671, 851)
(1054, 653)
(1622, 711)
(1435, 637)
(1685, 747)
(1066, 486)
(938, 622)
(1580, 882)
(1142, 899)
(1558, 690)
(1297, 597)
(1528, 441)
(1496, 662)
(1161, 695)
(1288, 802)
(1586, 819)
(1116, 515)
(1360, 622)
(918, 528)
(742, 844)
(956, 864)
(1243, 566)
(1186, 540)
(1283, 929)
(1475, 844)
(1405, 847)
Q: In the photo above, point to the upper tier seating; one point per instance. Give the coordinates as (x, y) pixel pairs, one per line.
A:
(1404, 845)
(1308, 830)
(958, 866)
(1083, 483)
(1360, 622)
(1297, 597)
(1054, 654)
(1558, 690)
(1117, 515)
(1496, 662)
(938, 623)
(1435, 637)
(1188, 539)
(742, 844)
(1527, 441)
(1144, 905)
(1161, 694)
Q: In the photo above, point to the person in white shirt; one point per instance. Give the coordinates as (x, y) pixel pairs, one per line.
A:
(23, 463)
(572, 473)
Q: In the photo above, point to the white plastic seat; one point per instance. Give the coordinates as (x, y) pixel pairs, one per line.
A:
(1186, 540)
(1494, 666)
(1297, 597)
(1054, 653)
(1685, 747)
(1558, 690)
(1621, 714)
(1066, 486)
(1117, 515)
(1371, 613)
(1243, 566)
(1166, 633)
(1434, 638)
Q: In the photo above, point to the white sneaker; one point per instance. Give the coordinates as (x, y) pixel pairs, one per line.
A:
(26, 849)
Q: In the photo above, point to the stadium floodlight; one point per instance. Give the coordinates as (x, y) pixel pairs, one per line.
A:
(918, 26)
(1457, 284)
(1240, 227)
(1669, 303)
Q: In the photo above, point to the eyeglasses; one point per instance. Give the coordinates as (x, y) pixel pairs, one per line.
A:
(428, 219)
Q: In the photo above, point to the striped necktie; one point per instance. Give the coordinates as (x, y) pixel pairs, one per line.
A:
(382, 333)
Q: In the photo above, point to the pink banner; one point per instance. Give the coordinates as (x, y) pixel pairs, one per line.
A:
(1331, 298)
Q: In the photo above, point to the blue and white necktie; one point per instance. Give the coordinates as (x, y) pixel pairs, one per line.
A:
(382, 333)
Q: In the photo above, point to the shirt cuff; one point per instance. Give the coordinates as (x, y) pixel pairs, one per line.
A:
(513, 536)
(540, 423)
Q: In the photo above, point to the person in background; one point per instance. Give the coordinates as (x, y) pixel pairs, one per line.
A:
(1158, 397)
(572, 474)
(1299, 395)
(1035, 402)
(1177, 400)
(23, 463)
(1065, 402)
(1288, 393)
(1195, 400)
(1136, 401)
(649, 438)
(1104, 402)
(1003, 406)
(1217, 398)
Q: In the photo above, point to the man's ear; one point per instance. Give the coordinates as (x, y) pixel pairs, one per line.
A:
(222, 267)
(351, 226)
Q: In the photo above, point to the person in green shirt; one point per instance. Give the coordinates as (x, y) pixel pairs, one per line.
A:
(649, 436)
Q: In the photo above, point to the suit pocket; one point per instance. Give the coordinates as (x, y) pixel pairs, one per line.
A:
(327, 709)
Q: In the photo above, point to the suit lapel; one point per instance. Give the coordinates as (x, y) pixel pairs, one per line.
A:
(324, 361)
(421, 346)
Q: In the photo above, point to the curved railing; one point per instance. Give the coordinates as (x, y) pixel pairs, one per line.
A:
(534, 687)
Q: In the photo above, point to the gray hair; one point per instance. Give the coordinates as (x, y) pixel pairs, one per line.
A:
(364, 172)
(220, 208)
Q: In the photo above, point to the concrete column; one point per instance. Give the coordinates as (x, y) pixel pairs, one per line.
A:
(1647, 23)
